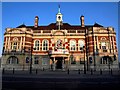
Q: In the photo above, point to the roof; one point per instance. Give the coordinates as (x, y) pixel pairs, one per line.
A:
(23, 25)
(97, 25)
(64, 26)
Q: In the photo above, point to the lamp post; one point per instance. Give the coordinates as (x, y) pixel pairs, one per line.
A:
(84, 60)
(109, 62)
(31, 60)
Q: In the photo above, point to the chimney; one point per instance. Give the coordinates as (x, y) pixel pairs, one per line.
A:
(36, 21)
(82, 21)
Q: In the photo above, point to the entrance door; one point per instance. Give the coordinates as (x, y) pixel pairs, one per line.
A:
(59, 63)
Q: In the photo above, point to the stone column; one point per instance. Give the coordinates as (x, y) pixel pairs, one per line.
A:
(9, 43)
(21, 43)
(113, 44)
(6, 43)
(24, 42)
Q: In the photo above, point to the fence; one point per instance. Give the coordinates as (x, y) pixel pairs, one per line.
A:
(65, 72)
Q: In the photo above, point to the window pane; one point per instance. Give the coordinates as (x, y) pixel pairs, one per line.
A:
(103, 44)
(45, 45)
(44, 61)
(36, 62)
(81, 48)
(72, 45)
(103, 47)
(43, 48)
(37, 45)
(81, 43)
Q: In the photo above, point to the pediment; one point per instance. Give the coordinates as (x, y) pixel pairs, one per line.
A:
(59, 33)
(15, 31)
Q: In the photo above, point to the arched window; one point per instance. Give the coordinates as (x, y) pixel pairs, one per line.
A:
(45, 45)
(12, 60)
(80, 45)
(103, 46)
(59, 17)
(106, 60)
(15, 44)
(37, 45)
(72, 45)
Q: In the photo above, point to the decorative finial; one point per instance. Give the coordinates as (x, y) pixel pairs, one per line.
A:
(59, 8)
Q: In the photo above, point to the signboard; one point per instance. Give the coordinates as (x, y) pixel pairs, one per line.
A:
(59, 51)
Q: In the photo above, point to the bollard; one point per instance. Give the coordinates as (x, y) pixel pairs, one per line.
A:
(68, 71)
(36, 71)
(78, 71)
(43, 69)
(30, 71)
(84, 71)
(111, 72)
(13, 70)
(100, 71)
(91, 72)
(23, 69)
(3, 71)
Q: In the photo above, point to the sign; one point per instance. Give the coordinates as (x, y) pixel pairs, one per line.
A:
(59, 51)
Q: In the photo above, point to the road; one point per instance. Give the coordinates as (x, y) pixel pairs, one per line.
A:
(59, 81)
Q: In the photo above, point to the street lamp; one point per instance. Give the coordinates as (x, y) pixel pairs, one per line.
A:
(84, 60)
(109, 62)
(31, 60)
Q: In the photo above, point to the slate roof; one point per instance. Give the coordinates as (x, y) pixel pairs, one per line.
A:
(64, 26)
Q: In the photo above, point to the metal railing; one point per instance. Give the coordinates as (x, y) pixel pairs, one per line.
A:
(65, 72)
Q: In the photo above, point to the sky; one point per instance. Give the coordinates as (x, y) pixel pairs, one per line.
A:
(17, 13)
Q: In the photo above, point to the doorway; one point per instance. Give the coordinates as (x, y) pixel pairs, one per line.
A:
(59, 63)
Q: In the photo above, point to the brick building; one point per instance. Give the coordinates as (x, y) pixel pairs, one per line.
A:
(60, 46)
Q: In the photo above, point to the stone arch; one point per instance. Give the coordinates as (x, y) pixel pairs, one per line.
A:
(12, 60)
(106, 60)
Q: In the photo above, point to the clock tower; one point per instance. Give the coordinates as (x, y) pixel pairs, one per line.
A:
(59, 19)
